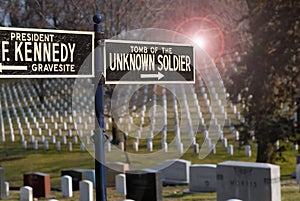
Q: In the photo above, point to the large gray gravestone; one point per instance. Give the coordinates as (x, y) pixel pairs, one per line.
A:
(144, 185)
(175, 171)
(298, 173)
(248, 181)
(203, 178)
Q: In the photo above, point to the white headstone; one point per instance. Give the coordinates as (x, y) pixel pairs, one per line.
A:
(149, 144)
(214, 150)
(121, 146)
(228, 122)
(224, 142)
(59, 132)
(180, 148)
(43, 138)
(208, 142)
(49, 131)
(230, 149)
(12, 137)
(36, 123)
(24, 144)
(75, 139)
(248, 181)
(70, 119)
(66, 186)
(135, 146)
(43, 120)
(36, 145)
(58, 146)
(69, 132)
(234, 110)
(64, 139)
(196, 148)
(277, 144)
(175, 171)
(70, 148)
(6, 189)
(65, 126)
(75, 125)
(26, 193)
(295, 147)
(46, 145)
(53, 139)
(203, 178)
(22, 138)
(121, 184)
(52, 119)
(86, 190)
(164, 144)
(82, 147)
(55, 125)
(39, 131)
(248, 152)
(236, 135)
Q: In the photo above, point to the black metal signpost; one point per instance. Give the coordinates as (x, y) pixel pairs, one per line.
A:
(99, 138)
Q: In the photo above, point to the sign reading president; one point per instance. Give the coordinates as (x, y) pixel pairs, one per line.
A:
(42, 53)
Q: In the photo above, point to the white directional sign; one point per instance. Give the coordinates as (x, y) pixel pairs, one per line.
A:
(44, 53)
(134, 62)
(2, 67)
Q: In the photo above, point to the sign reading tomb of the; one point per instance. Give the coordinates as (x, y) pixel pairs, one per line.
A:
(138, 62)
(44, 53)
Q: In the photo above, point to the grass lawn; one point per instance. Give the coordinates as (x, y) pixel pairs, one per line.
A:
(17, 161)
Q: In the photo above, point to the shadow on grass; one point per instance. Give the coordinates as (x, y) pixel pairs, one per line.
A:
(174, 196)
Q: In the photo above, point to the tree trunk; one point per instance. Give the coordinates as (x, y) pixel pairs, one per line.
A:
(265, 152)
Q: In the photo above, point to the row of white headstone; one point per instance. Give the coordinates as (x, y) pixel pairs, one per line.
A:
(58, 145)
(186, 111)
(187, 106)
(85, 190)
(37, 116)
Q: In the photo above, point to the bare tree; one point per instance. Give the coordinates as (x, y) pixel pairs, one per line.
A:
(269, 82)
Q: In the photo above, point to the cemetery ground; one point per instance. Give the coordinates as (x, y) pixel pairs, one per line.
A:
(36, 120)
(17, 162)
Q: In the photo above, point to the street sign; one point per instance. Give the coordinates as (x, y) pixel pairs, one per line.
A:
(44, 53)
(139, 62)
